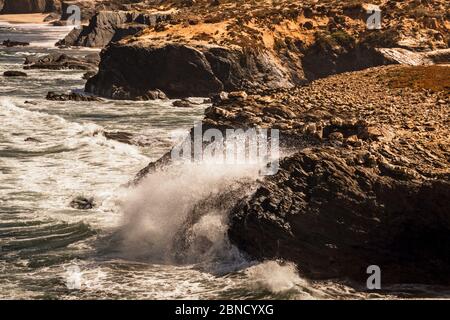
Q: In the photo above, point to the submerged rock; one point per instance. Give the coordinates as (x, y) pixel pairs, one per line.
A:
(59, 61)
(14, 74)
(121, 136)
(53, 96)
(31, 139)
(9, 43)
(183, 104)
(82, 203)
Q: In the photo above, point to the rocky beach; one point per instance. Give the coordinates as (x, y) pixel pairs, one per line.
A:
(363, 119)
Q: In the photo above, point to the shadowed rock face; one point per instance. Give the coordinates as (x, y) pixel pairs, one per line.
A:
(58, 61)
(27, 6)
(335, 220)
(364, 179)
(108, 26)
(130, 71)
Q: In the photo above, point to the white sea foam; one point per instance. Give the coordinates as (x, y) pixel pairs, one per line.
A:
(160, 206)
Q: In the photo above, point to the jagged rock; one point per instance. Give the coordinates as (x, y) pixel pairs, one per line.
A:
(58, 61)
(31, 139)
(14, 74)
(9, 43)
(82, 203)
(182, 71)
(364, 179)
(89, 75)
(335, 220)
(53, 96)
(107, 26)
(183, 104)
(124, 137)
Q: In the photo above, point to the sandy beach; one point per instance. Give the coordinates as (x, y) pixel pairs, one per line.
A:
(24, 18)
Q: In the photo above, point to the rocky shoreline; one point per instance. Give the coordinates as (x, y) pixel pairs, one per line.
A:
(363, 117)
(364, 181)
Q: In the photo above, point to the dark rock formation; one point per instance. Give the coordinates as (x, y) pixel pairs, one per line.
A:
(57, 61)
(335, 219)
(53, 96)
(355, 192)
(364, 180)
(82, 203)
(88, 75)
(14, 74)
(183, 104)
(107, 26)
(124, 137)
(27, 6)
(129, 71)
(9, 43)
(31, 139)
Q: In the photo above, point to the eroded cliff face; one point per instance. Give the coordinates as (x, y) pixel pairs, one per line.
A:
(130, 71)
(107, 26)
(237, 46)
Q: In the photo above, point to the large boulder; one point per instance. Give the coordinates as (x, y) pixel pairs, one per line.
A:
(128, 71)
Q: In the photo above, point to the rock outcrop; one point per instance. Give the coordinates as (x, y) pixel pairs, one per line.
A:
(14, 74)
(264, 48)
(107, 26)
(72, 96)
(364, 179)
(58, 61)
(11, 43)
(130, 71)
(27, 6)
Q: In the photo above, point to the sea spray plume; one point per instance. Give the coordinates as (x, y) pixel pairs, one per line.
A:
(169, 210)
(179, 214)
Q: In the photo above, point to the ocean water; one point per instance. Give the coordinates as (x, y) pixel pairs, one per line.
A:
(128, 246)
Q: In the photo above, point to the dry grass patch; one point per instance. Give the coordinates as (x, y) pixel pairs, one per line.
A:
(434, 78)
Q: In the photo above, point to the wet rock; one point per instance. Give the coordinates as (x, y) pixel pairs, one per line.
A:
(59, 61)
(53, 96)
(121, 136)
(153, 95)
(31, 139)
(183, 104)
(335, 219)
(14, 74)
(9, 43)
(88, 75)
(82, 203)
(206, 71)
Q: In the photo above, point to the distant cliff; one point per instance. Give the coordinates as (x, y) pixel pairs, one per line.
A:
(26, 6)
